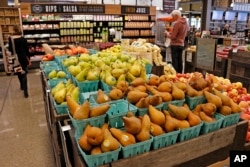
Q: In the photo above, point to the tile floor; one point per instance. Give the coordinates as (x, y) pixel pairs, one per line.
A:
(25, 140)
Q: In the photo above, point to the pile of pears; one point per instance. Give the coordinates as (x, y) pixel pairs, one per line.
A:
(61, 90)
(56, 74)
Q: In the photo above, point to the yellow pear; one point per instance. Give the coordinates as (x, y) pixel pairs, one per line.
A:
(225, 99)
(177, 93)
(109, 142)
(211, 98)
(102, 97)
(179, 112)
(144, 133)
(123, 137)
(60, 95)
(156, 116)
(82, 112)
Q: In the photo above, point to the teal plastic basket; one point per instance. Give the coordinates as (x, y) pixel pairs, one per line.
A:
(165, 139)
(212, 126)
(48, 64)
(104, 86)
(86, 96)
(192, 102)
(92, 51)
(189, 133)
(137, 148)
(148, 68)
(117, 111)
(231, 119)
(174, 102)
(87, 86)
(59, 59)
(53, 82)
(143, 111)
(61, 109)
(98, 159)
(79, 125)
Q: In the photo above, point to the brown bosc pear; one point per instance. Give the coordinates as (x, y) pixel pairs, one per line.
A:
(177, 93)
(197, 110)
(141, 88)
(156, 116)
(171, 123)
(83, 140)
(102, 97)
(122, 85)
(156, 130)
(181, 85)
(166, 96)
(193, 119)
(98, 110)
(225, 110)
(132, 124)
(82, 112)
(144, 133)
(235, 107)
(211, 98)
(155, 100)
(153, 80)
(116, 94)
(179, 112)
(72, 104)
(96, 150)
(123, 137)
(134, 96)
(165, 86)
(204, 117)
(226, 101)
(143, 103)
(209, 108)
(182, 124)
(95, 135)
(109, 142)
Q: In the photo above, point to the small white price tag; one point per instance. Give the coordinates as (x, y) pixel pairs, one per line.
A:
(235, 50)
(66, 128)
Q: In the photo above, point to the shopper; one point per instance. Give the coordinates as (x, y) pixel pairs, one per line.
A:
(225, 30)
(177, 37)
(22, 51)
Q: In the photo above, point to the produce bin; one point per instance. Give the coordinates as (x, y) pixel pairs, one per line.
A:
(212, 126)
(231, 119)
(192, 102)
(189, 133)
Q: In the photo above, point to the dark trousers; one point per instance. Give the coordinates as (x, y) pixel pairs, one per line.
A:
(22, 77)
(176, 53)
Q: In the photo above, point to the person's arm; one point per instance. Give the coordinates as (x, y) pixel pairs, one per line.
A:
(174, 33)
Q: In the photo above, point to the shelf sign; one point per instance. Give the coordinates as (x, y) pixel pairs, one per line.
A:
(66, 8)
(168, 6)
(134, 10)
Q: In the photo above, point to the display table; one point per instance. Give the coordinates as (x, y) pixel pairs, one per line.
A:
(203, 150)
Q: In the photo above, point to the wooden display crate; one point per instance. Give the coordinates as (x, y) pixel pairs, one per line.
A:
(203, 150)
(240, 69)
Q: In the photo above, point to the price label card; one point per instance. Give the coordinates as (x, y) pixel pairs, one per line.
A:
(235, 50)
(189, 57)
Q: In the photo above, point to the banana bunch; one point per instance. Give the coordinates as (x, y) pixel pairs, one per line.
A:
(157, 59)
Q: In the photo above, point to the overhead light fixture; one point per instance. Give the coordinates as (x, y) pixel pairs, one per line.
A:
(180, 8)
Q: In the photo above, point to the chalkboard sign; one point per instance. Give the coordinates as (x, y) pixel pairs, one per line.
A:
(205, 53)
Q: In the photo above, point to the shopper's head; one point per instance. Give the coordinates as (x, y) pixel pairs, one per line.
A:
(17, 30)
(176, 14)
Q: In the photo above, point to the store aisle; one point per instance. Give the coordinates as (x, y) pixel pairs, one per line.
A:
(24, 136)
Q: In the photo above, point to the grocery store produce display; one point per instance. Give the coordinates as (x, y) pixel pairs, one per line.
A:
(139, 110)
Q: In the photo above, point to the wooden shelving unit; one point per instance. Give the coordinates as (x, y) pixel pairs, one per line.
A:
(9, 17)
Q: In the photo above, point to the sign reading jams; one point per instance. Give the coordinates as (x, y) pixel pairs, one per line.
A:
(66, 8)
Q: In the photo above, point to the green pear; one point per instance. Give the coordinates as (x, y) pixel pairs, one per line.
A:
(84, 64)
(135, 70)
(93, 75)
(81, 76)
(84, 57)
(121, 78)
(57, 88)
(69, 82)
(117, 72)
(130, 77)
(143, 74)
(75, 93)
(61, 74)
(109, 79)
(74, 69)
(70, 89)
(52, 74)
(60, 96)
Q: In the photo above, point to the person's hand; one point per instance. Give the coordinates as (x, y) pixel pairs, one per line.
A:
(166, 33)
(29, 63)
